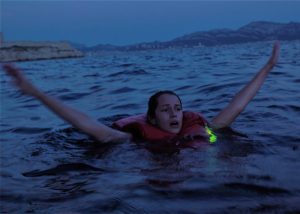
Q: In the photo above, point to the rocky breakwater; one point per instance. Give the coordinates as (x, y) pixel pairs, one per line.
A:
(25, 51)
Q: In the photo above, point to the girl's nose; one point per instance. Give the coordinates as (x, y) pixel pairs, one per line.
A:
(172, 113)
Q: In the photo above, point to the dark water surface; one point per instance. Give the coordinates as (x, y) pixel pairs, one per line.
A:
(48, 167)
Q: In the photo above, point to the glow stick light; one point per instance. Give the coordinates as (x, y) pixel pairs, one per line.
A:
(212, 136)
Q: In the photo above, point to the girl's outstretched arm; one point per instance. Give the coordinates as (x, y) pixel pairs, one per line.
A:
(76, 118)
(245, 95)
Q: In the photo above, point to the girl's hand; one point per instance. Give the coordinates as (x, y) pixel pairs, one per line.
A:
(20, 80)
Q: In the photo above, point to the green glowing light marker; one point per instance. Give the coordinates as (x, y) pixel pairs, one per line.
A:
(212, 137)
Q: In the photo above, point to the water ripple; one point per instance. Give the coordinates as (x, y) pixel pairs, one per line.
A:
(126, 106)
(126, 65)
(129, 73)
(73, 96)
(63, 168)
(27, 130)
(254, 188)
(123, 90)
(214, 88)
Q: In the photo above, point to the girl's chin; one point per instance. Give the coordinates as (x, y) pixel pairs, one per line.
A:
(173, 130)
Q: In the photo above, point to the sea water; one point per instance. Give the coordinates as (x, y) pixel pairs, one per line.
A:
(49, 167)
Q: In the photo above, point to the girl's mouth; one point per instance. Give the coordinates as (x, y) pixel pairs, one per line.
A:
(174, 124)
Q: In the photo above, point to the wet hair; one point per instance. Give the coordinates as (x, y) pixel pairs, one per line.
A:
(153, 102)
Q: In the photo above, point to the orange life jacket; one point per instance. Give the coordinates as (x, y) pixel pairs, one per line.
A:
(192, 131)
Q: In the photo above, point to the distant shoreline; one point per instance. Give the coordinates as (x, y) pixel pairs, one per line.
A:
(28, 51)
(252, 32)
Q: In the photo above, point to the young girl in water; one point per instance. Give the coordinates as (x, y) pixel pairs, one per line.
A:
(165, 119)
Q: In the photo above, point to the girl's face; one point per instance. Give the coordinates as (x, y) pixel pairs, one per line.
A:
(168, 114)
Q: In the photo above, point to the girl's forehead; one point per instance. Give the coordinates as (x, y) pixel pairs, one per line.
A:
(168, 99)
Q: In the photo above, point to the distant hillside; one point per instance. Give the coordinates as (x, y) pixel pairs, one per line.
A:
(26, 51)
(252, 32)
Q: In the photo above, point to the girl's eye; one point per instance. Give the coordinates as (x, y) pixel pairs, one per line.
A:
(164, 110)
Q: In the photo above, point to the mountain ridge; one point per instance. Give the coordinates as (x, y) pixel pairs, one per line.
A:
(251, 32)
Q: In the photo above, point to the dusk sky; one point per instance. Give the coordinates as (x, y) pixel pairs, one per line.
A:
(128, 22)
